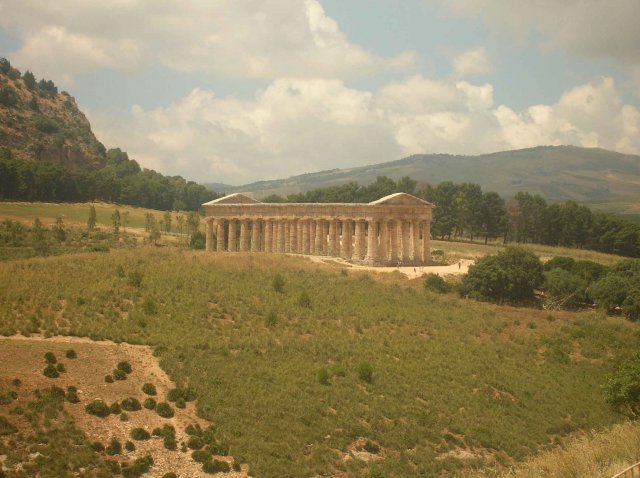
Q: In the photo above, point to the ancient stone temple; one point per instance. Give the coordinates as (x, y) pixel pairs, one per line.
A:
(394, 230)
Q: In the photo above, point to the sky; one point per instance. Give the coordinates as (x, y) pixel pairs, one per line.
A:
(236, 91)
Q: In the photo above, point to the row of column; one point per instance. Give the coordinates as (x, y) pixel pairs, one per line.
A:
(370, 241)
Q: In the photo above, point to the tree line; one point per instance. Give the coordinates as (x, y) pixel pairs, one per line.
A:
(121, 181)
(464, 211)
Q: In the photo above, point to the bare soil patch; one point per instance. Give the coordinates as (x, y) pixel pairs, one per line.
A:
(23, 358)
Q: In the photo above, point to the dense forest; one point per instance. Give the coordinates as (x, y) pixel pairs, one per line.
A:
(120, 181)
(464, 211)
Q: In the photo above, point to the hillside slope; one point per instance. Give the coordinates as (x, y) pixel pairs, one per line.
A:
(556, 172)
(39, 124)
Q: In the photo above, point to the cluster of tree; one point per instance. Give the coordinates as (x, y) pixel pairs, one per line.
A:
(464, 211)
(121, 180)
(45, 88)
(515, 275)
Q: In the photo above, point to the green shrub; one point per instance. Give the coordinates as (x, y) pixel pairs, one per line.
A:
(589, 270)
(129, 446)
(119, 375)
(131, 404)
(365, 372)
(510, 276)
(164, 410)
(61, 368)
(149, 389)
(559, 262)
(304, 300)
(114, 447)
(135, 279)
(609, 292)
(201, 456)
(631, 305)
(216, 466)
(236, 466)
(71, 354)
(72, 395)
(51, 371)
(115, 408)
(171, 474)
(6, 427)
(108, 379)
(195, 442)
(323, 376)
(564, 289)
(278, 283)
(170, 443)
(98, 408)
(149, 307)
(124, 417)
(124, 366)
(622, 390)
(186, 394)
(371, 447)
(140, 434)
(97, 447)
(149, 404)
(50, 358)
(435, 283)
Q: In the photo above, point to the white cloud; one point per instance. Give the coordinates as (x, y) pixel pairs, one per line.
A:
(592, 28)
(470, 63)
(302, 125)
(231, 38)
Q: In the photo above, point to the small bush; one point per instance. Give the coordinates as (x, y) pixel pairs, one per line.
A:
(149, 389)
(124, 366)
(61, 368)
(6, 427)
(50, 357)
(216, 466)
(236, 466)
(129, 446)
(131, 404)
(135, 279)
(195, 442)
(97, 447)
(149, 307)
(170, 443)
(115, 408)
(323, 376)
(180, 403)
(304, 300)
(98, 408)
(201, 456)
(564, 263)
(108, 379)
(140, 434)
(365, 372)
(435, 283)
(72, 395)
(114, 447)
(278, 283)
(124, 417)
(149, 404)
(119, 374)
(71, 354)
(371, 447)
(171, 474)
(51, 371)
(186, 394)
(164, 410)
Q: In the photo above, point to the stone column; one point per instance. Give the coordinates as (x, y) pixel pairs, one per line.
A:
(209, 236)
(231, 247)
(287, 236)
(372, 241)
(416, 252)
(394, 242)
(301, 226)
(274, 236)
(281, 235)
(312, 236)
(383, 250)
(220, 235)
(358, 252)
(244, 235)
(426, 241)
(406, 241)
(268, 232)
(255, 235)
(293, 236)
(332, 238)
(325, 244)
(318, 238)
(306, 227)
(345, 242)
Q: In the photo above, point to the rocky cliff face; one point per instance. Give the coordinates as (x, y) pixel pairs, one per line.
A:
(39, 124)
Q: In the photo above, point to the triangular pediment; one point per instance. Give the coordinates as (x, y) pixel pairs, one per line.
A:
(235, 198)
(401, 199)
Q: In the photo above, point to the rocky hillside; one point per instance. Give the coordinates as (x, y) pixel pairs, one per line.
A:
(39, 124)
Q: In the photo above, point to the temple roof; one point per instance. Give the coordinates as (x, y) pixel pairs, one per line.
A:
(401, 199)
(235, 198)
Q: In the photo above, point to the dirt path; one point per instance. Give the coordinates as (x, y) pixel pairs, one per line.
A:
(458, 268)
(23, 358)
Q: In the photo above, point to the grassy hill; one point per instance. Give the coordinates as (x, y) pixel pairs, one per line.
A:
(39, 124)
(586, 175)
(372, 376)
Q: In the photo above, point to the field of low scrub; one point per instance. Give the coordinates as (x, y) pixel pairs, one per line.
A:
(334, 372)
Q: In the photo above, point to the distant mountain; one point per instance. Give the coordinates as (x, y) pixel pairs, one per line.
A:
(39, 124)
(586, 175)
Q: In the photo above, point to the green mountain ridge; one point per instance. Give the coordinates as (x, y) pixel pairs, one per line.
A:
(586, 175)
